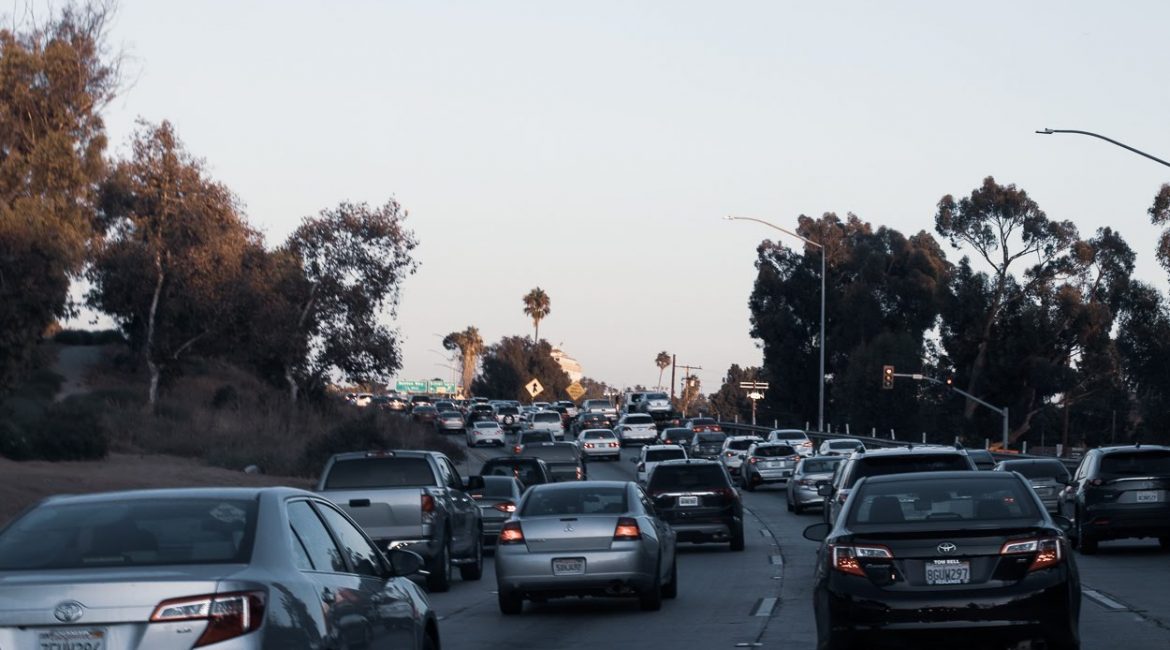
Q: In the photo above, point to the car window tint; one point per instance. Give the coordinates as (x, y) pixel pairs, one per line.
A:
(323, 552)
(945, 502)
(585, 501)
(300, 555)
(526, 471)
(879, 466)
(668, 478)
(379, 472)
(496, 487)
(811, 466)
(740, 445)
(1038, 469)
(1135, 463)
(639, 419)
(552, 451)
(772, 451)
(546, 417)
(362, 555)
(656, 455)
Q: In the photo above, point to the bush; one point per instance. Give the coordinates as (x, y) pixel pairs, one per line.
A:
(14, 441)
(70, 430)
(374, 431)
(89, 337)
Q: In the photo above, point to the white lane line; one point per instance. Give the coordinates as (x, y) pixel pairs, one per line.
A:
(778, 560)
(1103, 600)
(765, 607)
(765, 532)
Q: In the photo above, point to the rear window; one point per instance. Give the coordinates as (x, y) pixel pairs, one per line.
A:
(591, 500)
(686, 478)
(789, 435)
(527, 472)
(598, 435)
(771, 451)
(129, 533)
(425, 409)
(508, 410)
(656, 396)
(1135, 463)
(675, 432)
(706, 438)
(1038, 469)
(818, 466)
(565, 452)
(844, 444)
(535, 436)
(703, 421)
(486, 424)
(740, 445)
(546, 417)
(361, 473)
(639, 419)
(495, 487)
(451, 415)
(657, 455)
(945, 502)
(881, 466)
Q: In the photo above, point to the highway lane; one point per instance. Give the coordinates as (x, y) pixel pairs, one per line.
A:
(720, 595)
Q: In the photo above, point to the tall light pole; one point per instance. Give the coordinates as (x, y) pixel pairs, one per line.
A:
(821, 340)
(1109, 140)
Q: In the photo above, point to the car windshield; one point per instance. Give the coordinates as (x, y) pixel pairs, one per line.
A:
(1135, 463)
(818, 466)
(707, 438)
(771, 451)
(656, 396)
(686, 478)
(546, 417)
(943, 501)
(495, 487)
(1038, 469)
(881, 466)
(639, 419)
(657, 455)
(127, 533)
(844, 444)
(741, 445)
(585, 500)
(382, 472)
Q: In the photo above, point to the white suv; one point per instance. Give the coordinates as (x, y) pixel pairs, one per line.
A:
(547, 421)
(636, 427)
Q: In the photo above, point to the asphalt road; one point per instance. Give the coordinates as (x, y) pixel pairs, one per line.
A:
(762, 596)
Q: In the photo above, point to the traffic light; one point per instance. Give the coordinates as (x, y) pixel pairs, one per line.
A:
(887, 377)
(949, 380)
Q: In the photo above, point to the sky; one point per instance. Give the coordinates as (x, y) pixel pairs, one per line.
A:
(592, 148)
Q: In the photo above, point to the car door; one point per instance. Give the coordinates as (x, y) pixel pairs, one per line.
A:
(666, 534)
(464, 512)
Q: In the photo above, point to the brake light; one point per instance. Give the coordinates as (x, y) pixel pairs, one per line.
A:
(847, 559)
(626, 530)
(613, 444)
(753, 460)
(727, 492)
(589, 445)
(511, 533)
(506, 506)
(517, 449)
(580, 473)
(428, 508)
(228, 615)
(1047, 551)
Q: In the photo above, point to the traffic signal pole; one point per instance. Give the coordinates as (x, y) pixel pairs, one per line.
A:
(1002, 411)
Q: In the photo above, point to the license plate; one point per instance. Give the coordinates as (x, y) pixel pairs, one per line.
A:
(948, 572)
(72, 639)
(1152, 496)
(568, 566)
(771, 465)
(688, 501)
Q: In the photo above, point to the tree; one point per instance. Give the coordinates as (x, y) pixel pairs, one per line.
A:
(663, 361)
(691, 393)
(470, 346)
(55, 79)
(731, 401)
(1143, 342)
(1160, 216)
(537, 306)
(513, 362)
(175, 241)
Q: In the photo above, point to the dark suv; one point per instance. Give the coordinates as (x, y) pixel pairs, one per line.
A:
(880, 462)
(706, 444)
(697, 499)
(1119, 492)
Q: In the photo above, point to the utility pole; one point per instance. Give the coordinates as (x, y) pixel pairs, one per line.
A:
(673, 362)
(686, 375)
(755, 392)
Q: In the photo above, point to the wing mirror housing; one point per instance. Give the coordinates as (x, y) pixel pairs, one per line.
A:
(817, 532)
(403, 563)
(1062, 522)
(825, 489)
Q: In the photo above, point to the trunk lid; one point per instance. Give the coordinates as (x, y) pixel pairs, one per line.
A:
(575, 533)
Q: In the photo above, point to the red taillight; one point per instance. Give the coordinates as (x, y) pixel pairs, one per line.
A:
(511, 533)
(589, 445)
(1047, 551)
(428, 503)
(613, 444)
(729, 493)
(517, 449)
(753, 460)
(627, 530)
(847, 559)
(506, 506)
(228, 615)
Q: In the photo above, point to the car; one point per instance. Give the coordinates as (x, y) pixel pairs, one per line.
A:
(703, 424)
(445, 405)
(599, 443)
(602, 406)
(636, 428)
(396, 404)
(425, 414)
(529, 471)
(810, 474)
(362, 399)
(768, 462)
(221, 567)
(926, 559)
(982, 458)
(895, 460)
(485, 432)
(652, 403)
(1117, 493)
(570, 408)
(479, 415)
(420, 400)
(797, 438)
(680, 436)
(547, 421)
(731, 454)
(696, 497)
(450, 421)
(1047, 476)
(529, 437)
(706, 444)
(839, 447)
(508, 416)
(497, 501)
(649, 457)
(594, 538)
(585, 421)
(563, 459)
(631, 401)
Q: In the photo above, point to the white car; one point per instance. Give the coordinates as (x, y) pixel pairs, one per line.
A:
(655, 403)
(599, 443)
(734, 450)
(485, 432)
(636, 427)
(651, 455)
(546, 421)
(795, 438)
(839, 447)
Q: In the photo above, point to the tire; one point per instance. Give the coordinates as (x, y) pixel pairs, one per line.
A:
(430, 642)
(651, 599)
(670, 589)
(747, 484)
(737, 539)
(797, 509)
(1164, 542)
(439, 579)
(836, 642)
(1086, 543)
(471, 572)
(511, 604)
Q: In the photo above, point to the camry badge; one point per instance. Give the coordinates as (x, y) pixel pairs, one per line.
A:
(568, 528)
(68, 611)
(947, 548)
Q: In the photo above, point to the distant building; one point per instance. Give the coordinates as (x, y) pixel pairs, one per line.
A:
(567, 363)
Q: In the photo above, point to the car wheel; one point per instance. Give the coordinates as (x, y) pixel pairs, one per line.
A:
(737, 539)
(670, 590)
(836, 642)
(797, 509)
(439, 579)
(474, 571)
(511, 604)
(747, 484)
(1086, 543)
(651, 599)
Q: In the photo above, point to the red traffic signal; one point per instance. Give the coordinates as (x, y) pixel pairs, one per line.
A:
(887, 377)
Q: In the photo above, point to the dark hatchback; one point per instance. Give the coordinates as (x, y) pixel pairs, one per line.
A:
(938, 559)
(699, 502)
(1119, 492)
(706, 445)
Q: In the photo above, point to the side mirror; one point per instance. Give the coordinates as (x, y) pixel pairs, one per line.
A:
(817, 532)
(473, 483)
(404, 563)
(1064, 523)
(825, 489)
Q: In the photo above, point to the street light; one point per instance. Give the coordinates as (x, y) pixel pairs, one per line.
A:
(1110, 140)
(821, 340)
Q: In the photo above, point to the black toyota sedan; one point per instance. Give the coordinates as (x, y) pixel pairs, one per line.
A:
(937, 558)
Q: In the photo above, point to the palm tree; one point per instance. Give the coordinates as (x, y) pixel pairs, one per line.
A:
(662, 361)
(537, 306)
(470, 346)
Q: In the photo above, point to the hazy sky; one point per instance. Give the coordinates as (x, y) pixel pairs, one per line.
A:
(591, 148)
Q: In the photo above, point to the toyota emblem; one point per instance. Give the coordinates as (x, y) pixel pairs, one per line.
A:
(947, 548)
(68, 611)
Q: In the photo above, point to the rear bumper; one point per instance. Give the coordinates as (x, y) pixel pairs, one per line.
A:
(1119, 521)
(607, 573)
(705, 530)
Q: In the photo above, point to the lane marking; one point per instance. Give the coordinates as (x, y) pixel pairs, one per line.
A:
(778, 560)
(765, 607)
(1103, 600)
(765, 532)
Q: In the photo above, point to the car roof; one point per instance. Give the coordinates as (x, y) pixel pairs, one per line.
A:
(176, 493)
(691, 461)
(580, 485)
(942, 476)
(1130, 448)
(384, 453)
(910, 451)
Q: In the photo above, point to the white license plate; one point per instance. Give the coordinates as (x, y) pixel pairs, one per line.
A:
(688, 501)
(948, 572)
(1152, 496)
(72, 639)
(771, 465)
(568, 566)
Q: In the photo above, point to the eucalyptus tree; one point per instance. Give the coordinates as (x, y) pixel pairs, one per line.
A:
(470, 346)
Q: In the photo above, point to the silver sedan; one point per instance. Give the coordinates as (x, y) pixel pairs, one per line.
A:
(593, 538)
(809, 474)
(240, 568)
(599, 443)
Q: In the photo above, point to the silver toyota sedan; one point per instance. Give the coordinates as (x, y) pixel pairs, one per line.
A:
(240, 568)
(593, 538)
